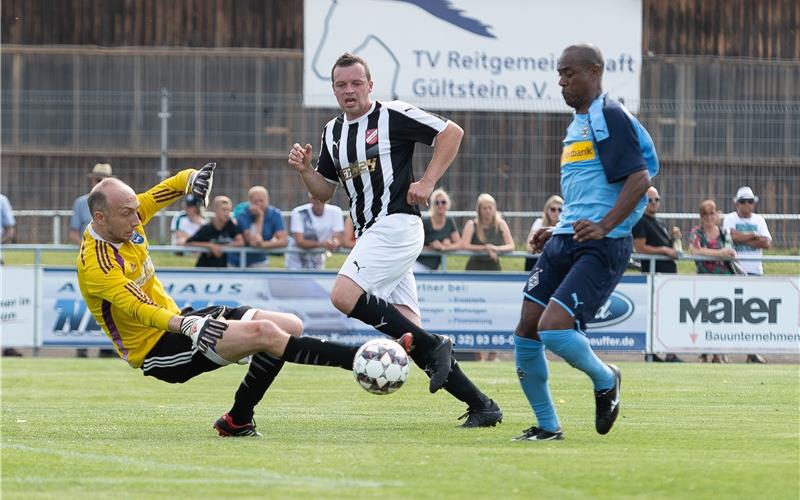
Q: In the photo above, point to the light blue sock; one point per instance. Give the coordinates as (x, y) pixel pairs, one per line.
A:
(532, 372)
(574, 347)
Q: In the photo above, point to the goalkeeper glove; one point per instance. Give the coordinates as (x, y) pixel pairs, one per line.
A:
(205, 332)
(200, 182)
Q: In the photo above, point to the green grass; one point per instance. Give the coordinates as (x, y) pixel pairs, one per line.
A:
(94, 428)
(454, 262)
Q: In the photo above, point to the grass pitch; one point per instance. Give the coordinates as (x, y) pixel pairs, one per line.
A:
(93, 428)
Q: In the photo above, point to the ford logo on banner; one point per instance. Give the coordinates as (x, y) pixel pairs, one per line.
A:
(617, 309)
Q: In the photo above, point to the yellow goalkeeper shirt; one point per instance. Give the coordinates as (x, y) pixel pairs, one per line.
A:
(119, 284)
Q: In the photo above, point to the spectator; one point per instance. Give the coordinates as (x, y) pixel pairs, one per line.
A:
(550, 214)
(77, 225)
(314, 225)
(651, 237)
(487, 233)
(262, 226)
(80, 208)
(748, 230)
(188, 221)
(441, 232)
(708, 239)
(8, 224)
(220, 232)
(750, 236)
(7, 231)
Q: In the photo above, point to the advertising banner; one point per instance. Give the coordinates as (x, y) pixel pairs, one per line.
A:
(478, 311)
(17, 306)
(470, 54)
(748, 314)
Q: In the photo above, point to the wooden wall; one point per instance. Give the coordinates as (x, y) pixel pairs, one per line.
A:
(156, 23)
(765, 29)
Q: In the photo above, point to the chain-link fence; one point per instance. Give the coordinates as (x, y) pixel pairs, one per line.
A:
(718, 124)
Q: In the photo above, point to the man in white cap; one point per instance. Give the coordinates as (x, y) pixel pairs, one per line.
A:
(750, 236)
(77, 224)
(748, 230)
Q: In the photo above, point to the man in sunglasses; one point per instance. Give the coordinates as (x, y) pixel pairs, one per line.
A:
(750, 237)
(652, 237)
(748, 230)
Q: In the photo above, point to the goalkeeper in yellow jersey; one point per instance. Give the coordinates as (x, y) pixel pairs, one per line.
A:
(118, 282)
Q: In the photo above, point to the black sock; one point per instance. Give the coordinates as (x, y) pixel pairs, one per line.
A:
(458, 384)
(262, 371)
(311, 351)
(388, 319)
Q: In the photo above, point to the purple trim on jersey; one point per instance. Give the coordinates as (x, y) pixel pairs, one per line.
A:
(119, 259)
(112, 329)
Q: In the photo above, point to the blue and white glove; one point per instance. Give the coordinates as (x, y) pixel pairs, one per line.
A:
(205, 331)
(200, 182)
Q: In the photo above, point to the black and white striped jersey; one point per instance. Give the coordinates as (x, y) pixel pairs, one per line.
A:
(371, 158)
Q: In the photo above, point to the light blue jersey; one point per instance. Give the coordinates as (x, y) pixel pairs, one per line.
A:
(601, 149)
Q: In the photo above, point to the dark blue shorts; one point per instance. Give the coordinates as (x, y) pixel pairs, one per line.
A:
(578, 276)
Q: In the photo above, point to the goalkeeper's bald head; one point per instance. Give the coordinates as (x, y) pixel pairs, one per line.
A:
(107, 194)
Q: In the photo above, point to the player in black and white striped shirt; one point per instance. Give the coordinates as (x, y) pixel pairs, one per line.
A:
(368, 150)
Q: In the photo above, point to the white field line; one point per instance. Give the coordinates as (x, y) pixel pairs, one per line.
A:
(244, 475)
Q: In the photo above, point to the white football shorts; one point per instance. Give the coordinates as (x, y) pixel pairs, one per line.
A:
(380, 262)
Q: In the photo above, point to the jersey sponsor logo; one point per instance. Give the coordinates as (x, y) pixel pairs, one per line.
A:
(137, 238)
(371, 136)
(356, 169)
(578, 151)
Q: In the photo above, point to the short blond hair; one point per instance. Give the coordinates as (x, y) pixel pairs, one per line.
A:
(220, 200)
(437, 193)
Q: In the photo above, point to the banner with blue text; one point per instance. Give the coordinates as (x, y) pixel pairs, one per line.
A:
(477, 311)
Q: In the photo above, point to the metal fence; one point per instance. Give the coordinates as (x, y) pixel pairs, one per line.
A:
(718, 123)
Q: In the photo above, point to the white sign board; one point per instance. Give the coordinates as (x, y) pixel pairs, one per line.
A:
(471, 54)
(478, 311)
(726, 314)
(17, 306)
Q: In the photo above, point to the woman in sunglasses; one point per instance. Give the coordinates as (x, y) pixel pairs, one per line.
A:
(550, 214)
(441, 232)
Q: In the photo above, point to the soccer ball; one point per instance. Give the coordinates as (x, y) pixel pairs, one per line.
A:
(380, 366)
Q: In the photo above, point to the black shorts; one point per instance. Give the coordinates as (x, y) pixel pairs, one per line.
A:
(173, 359)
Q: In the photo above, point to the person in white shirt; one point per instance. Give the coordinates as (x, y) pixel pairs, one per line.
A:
(748, 230)
(750, 236)
(314, 225)
(188, 220)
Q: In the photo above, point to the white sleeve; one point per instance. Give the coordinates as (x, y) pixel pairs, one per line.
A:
(728, 222)
(295, 222)
(338, 220)
(763, 230)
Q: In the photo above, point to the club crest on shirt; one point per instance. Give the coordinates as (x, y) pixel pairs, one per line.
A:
(533, 279)
(137, 238)
(371, 136)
